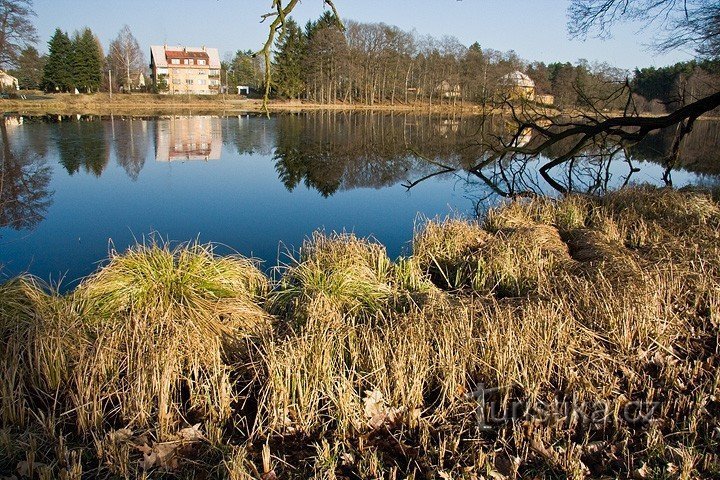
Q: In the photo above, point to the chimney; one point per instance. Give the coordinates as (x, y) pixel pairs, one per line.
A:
(203, 47)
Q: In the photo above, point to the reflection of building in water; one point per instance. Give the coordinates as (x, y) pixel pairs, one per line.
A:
(447, 126)
(526, 134)
(12, 120)
(188, 138)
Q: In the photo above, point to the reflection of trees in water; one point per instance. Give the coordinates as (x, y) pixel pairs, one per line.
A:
(699, 151)
(330, 151)
(83, 143)
(517, 174)
(248, 135)
(130, 142)
(24, 179)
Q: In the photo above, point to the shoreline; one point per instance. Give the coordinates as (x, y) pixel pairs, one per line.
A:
(145, 104)
(151, 104)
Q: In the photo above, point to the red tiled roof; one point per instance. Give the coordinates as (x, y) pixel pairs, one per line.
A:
(183, 54)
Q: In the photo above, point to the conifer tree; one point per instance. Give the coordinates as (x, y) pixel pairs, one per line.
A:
(87, 61)
(57, 74)
(289, 58)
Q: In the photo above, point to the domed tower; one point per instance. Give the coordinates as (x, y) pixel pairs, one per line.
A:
(518, 85)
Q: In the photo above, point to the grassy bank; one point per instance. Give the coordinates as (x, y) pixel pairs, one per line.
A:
(349, 365)
(150, 104)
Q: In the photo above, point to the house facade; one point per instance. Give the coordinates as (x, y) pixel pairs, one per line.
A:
(518, 85)
(185, 70)
(8, 82)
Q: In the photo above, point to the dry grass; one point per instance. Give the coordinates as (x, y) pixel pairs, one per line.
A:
(177, 362)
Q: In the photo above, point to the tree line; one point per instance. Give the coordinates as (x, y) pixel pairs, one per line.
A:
(74, 61)
(325, 61)
(371, 63)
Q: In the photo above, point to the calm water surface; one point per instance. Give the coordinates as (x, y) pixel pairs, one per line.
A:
(73, 188)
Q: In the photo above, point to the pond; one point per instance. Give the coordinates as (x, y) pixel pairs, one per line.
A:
(73, 188)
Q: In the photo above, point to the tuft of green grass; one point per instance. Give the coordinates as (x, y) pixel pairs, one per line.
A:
(338, 274)
(166, 325)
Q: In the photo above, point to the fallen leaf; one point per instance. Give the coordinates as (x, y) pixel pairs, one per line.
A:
(149, 460)
(119, 436)
(192, 434)
(374, 403)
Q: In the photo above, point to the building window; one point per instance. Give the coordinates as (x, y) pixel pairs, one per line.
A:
(187, 61)
(175, 61)
(201, 72)
(189, 81)
(176, 81)
(176, 71)
(202, 81)
(201, 62)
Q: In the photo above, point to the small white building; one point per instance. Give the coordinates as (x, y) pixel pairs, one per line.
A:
(518, 85)
(8, 82)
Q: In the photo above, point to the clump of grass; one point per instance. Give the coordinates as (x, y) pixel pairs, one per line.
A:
(336, 275)
(673, 209)
(446, 250)
(520, 261)
(163, 323)
(39, 342)
(513, 261)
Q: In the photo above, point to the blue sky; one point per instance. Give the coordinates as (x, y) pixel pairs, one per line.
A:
(536, 30)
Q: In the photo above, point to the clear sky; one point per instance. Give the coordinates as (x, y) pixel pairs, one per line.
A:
(536, 30)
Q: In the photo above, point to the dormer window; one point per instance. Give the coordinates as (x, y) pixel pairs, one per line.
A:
(175, 61)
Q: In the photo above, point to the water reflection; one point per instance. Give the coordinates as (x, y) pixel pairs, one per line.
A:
(24, 177)
(188, 138)
(84, 143)
(130, 143)
(331, 152)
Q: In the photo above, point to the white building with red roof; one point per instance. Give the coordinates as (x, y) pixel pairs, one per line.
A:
(185, 70)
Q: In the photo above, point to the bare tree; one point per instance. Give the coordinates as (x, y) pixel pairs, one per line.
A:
(16, 30)
(125, 58)
(694, 23)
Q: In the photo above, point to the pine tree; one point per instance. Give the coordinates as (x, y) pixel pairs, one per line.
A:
(87, 61)
(289, 57)
(58, 71)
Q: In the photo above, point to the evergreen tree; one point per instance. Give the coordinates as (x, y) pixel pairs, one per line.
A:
(87, 61)
(289, 57)
(57, 74)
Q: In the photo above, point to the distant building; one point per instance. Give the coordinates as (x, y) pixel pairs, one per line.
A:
(447, 90)
(518, 85)
(185, 70)
(8, 82)
(545, 99)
